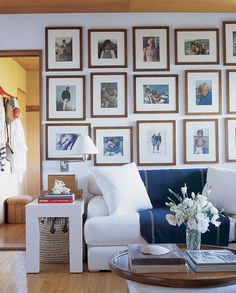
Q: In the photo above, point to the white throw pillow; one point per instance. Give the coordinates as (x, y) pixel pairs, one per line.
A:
(223, 188)
(122, 188)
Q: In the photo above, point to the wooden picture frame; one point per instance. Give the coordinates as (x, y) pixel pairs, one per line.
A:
(201, 141)
(63, 48)
(229, 42)
(197, 46)
(109, 94)
(203, 92)
(230, 91)
(65, 95)
(156, 94)
(151, 48)
(61, 140)
(115, 145)
(107, 48)
(230, 139)
(156, 141)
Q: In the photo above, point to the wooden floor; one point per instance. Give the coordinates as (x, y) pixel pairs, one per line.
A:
(53, 278)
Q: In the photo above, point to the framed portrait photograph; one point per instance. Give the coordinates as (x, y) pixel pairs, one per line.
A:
(109, 94)
(197, 46)
(230, 131)
(203, 92)
(229, 42)
(115, 145)
(231, 91)
(151, 48)
(201, 141)
(107, 48)
(61, 140)
(156, 94)
(63, 48)
(156, 141)
(65, 97)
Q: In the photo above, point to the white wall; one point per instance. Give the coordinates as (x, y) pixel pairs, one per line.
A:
(27, 32)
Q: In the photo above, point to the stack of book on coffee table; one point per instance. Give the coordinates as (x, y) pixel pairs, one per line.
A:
(218, 260)
(151, 258)
(56, 198)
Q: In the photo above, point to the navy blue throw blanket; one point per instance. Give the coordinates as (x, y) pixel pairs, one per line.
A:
(154, 228)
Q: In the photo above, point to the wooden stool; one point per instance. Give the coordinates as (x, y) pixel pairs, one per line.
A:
(16, 208)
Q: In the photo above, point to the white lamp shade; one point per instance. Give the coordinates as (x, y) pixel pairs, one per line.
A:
(86, 146)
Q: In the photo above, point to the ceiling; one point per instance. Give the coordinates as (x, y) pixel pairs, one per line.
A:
(73, 6)
(28, 63)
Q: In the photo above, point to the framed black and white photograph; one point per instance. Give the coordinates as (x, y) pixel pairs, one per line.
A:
(230, 91)
(201, 141)
(229, 42)
(65, 97)
(62, 140)
(115, 145)
(109, 94)
(197, 46)
(107, 48)
(156, 94)
(156, 141)
(151, 48)
(203, 92)
(63, 48)
(230, 131)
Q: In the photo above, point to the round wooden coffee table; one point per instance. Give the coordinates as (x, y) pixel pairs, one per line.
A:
(119, 265)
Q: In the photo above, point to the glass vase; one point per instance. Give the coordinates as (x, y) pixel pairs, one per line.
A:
(193, 239)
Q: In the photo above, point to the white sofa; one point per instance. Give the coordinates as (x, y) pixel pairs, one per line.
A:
(105, 235)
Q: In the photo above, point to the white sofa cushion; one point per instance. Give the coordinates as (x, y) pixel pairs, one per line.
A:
(93, 188)
(113, 230)
(122, 188)
(222, 182)
(97, 207)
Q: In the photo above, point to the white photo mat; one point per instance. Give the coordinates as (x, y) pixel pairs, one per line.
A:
(231, 139)
(231, 90)
(229, 45)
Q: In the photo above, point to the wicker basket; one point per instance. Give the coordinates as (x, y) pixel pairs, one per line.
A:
(54, 240)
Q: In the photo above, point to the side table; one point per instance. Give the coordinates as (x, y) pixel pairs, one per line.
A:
(74, 211)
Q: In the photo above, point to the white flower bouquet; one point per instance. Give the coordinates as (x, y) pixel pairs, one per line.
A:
(194, 211)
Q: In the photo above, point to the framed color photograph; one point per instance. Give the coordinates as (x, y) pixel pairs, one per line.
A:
(203, 92)
(197, 46)
(63, 48)
(230, 131)
(109, 94)
(151, 48)
(115, 145)
(229, 42)
(156, 93)
(65, 97)
(156, 141)
(107, 48)
(61, 140)
(231, 91)
(201, 141)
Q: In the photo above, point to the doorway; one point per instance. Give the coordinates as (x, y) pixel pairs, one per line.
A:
(28, 91)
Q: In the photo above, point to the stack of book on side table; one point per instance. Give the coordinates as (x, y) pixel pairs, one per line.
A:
(219, 260)
(56, 198)
(156, 258)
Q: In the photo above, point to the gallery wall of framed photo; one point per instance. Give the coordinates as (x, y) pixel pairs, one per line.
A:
(163, 82)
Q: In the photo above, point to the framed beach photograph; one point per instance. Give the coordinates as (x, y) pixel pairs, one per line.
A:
(156, 94)
(65, 97)
(62, 140)
(197, 46)
(107, 48)
(109, 94)
(151, 48)
(230, 132)
(229, 42)
(231, 91)
(115, 145)
(63, 48)
(201, 141)
(203, 92)
(156, 141)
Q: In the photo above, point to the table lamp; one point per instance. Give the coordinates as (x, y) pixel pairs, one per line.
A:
(86, 147)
